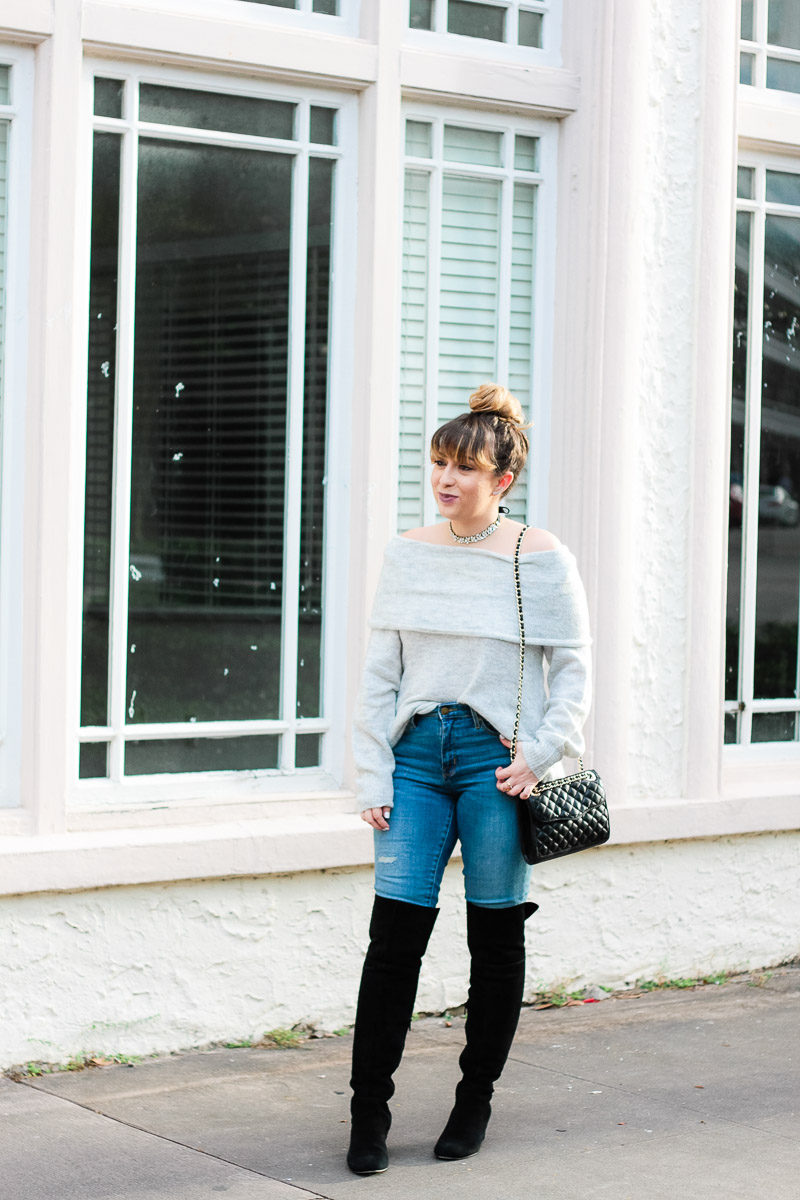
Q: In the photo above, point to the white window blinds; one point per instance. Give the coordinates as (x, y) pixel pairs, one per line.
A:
(468, 284)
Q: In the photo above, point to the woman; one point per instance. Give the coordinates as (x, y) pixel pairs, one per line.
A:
(432, 737)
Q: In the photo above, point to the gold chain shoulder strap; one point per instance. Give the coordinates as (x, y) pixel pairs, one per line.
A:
(521, 619)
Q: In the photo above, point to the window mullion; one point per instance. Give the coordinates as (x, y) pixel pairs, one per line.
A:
(123, 452)
(294, 455)
(752, 465)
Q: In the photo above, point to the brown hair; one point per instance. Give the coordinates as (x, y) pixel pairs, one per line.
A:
(490, 435)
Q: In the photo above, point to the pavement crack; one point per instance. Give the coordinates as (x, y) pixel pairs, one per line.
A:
(162, 1137)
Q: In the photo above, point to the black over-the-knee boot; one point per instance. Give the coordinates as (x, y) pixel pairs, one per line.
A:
(496, 939)
(399, 935)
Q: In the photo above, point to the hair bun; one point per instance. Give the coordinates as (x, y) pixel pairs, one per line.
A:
(494, 398)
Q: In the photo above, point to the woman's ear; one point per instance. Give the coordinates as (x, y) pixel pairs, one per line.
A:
(503, 483)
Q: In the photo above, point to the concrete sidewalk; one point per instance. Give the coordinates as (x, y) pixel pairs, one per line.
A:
(672, 1094)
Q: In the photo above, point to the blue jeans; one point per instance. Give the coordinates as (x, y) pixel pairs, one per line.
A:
(445, 790)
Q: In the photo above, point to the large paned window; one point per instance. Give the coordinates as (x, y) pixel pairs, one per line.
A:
(208, 429)
(770, 52)
(476, 26)
(473, 275)
(15, 100)
(763, 609)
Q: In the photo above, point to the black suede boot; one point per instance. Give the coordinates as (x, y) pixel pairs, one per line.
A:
(399, 935)
(496, 939)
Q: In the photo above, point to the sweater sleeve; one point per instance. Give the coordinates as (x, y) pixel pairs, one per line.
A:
(375, 711)
(569, 688)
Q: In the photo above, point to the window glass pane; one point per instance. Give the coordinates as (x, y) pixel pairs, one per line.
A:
(108, 97)
(476, 20)
(520, 350)
(778, 576)
(783, 187)
(93, 760)
(315, 405)
(530, 28)
(731, 729)
(420, 15)
(526, 153)
(201, 754)
(326, 7)
(746, 67)
(469, 281)
(747, 27)
(418, 139)
(323, 126)
(413, 465)
(307, 750)
(741, 294)
(209, 432)
(744, 183)
(276, 3)
(475, 146)
(5, 85)
(774, 727)
(212, 110)
(100, 428)
(783, 76)
(784, 23)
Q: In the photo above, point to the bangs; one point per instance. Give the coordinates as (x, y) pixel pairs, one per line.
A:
(467, 441)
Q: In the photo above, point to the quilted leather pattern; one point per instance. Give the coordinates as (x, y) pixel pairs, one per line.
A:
(563, 817)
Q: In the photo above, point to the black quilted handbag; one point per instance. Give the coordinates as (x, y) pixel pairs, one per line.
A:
(564, 815)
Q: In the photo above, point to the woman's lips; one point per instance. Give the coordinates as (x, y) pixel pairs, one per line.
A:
(446, 497)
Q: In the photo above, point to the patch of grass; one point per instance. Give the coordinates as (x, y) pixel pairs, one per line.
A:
(283, 1039)
(663, 984)
(557, 997)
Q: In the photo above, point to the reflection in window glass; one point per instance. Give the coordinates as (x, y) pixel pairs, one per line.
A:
(93, 762)
(741, 295)
(530, 28)
(101, 390)
(201, 754)
(209, 431)
(325, 7)
(315, 405)
(212, 110)
(307, 750)
(108, 95)
(744, 183)
(783, 23)
(420, 15)
(778, 576)
(746, 68)
(526, 153)
(783, 187)
(418, 139)
(479, 146)
(747, 25)
(5, 85)
(322, 129)
(472, 19)
(774, 727)
(783, 76)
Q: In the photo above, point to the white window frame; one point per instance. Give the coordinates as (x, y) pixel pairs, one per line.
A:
(760, 209)
(538, 409)
(13, 382)
(438, 38)
(761, 50)
(301, 18)
(118, 790)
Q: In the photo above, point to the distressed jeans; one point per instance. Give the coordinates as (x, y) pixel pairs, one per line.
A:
(445, 790)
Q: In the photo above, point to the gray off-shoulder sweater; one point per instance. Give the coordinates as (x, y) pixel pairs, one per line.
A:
(444, 629)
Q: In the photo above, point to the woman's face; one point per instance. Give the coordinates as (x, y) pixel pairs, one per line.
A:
(465, 493)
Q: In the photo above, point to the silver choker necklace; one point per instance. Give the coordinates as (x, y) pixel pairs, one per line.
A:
(475, 537)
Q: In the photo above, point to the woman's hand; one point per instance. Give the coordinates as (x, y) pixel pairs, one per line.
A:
(517, 779)
(378, 818)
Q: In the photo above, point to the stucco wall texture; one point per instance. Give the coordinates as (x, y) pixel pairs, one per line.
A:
(159, 968)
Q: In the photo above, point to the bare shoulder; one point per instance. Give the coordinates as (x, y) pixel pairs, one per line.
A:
(433, 534)
(539, 539)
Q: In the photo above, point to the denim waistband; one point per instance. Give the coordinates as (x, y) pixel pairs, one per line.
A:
(445, 711)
